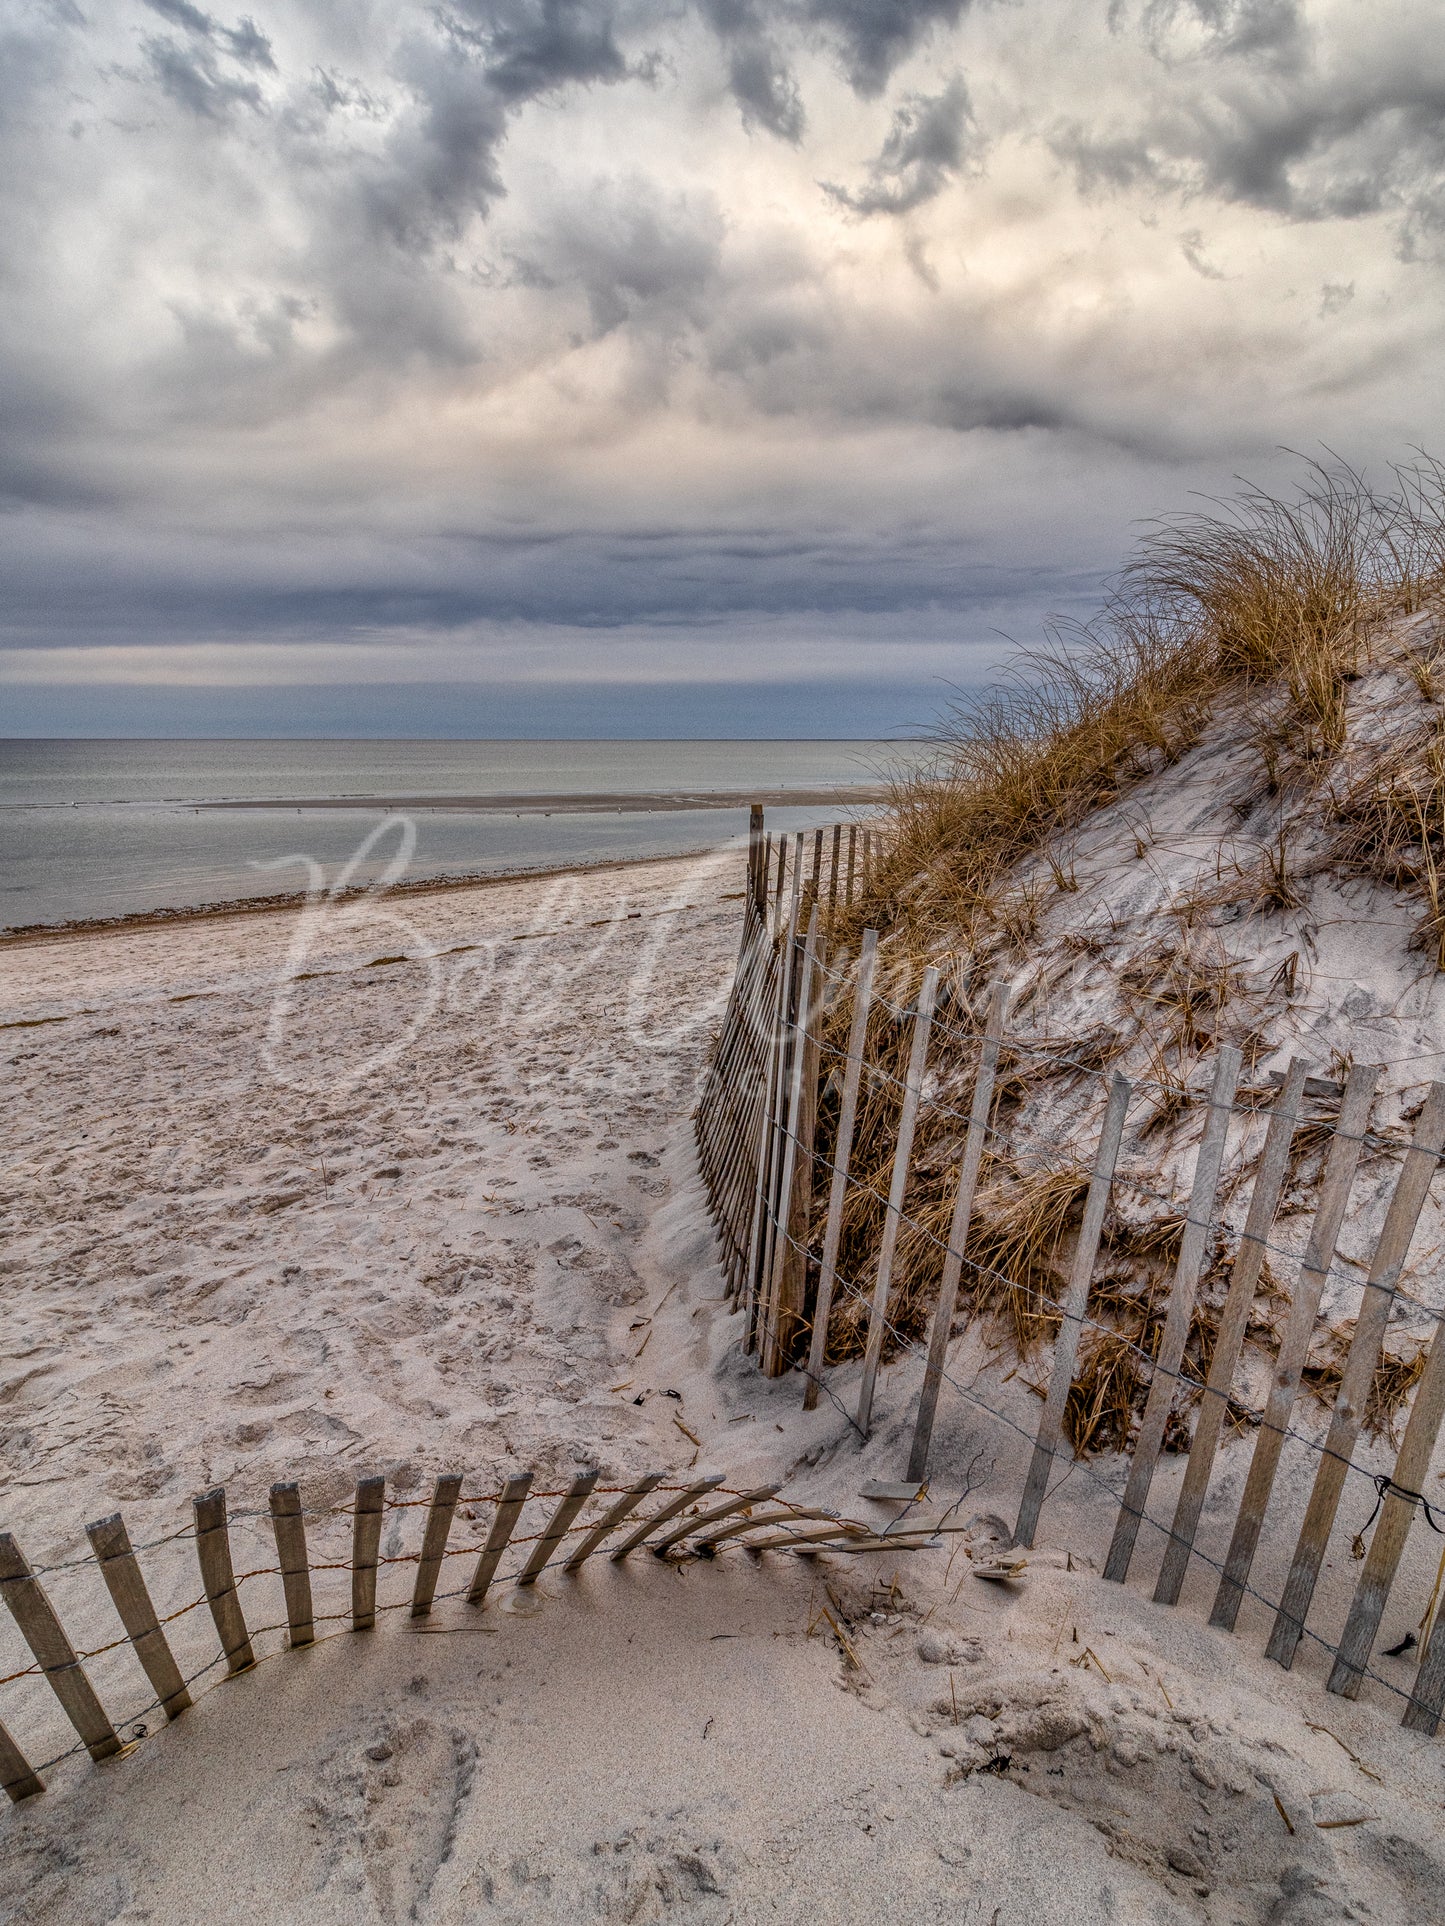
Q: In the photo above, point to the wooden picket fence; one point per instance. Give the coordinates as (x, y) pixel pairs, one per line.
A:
(778, 1209)
(697, 1520)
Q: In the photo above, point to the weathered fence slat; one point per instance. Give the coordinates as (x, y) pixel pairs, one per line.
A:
(17, 1776)
(53, 1651)
(610, 1520)
(852, 855)
(842, 1152)
(775, 1338)
(833, 868)
(213, 1555)
(664, 1514)
(446, 1490)
(1233, 1322)
(1334, 1195)
(1050, 1440)
(1193, 1249)
(897, 1189)
(290, 1530)
(705, 1547)
(974, 1145)
(760, 1243)
(509, 1510)
(365, 1545)
(110, 1541)
(1407, 1201)
(555, 1529)
(1402, 1495)
(692, 1525)
(817, 861)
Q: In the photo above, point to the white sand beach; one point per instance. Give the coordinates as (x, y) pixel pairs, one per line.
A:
(411, 1189)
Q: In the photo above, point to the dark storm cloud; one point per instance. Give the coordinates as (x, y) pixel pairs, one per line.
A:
(923, 151)
(354, 321)
(876, 36)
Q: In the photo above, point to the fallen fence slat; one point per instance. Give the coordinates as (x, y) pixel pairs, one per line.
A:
(980, 1111)
(17, 1776)
(842, 1153)
(54, 1654)
(110, 1541)
(446, 1490)
(555, 1530)
(704, 1547)
(1408, 1200)
(1050, 1440)
(509, 1510)
(1339, 1176)
(897, 1189)
(290, 1530)
(1193, 1248)
(1233, 1322)
(740, 1503)
(624, 1508)
(213, 1555)
(665, 1514)
(365, 1545)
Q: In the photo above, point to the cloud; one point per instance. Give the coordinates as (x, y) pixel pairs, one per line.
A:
(924, 149)
(443, 327)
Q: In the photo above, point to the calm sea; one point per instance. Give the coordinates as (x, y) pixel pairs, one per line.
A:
(99, 829)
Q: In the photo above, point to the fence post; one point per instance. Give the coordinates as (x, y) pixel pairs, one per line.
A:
(17, 1777)
(555, 1530)
(842, 1152)
(110, 1541)
(213, 1554)
(757, 875)
(1411, 1189)
(504, 1523)
(610, 1520)
(1234, 1321)
(54, 1653)
(365, 1543)
(897, 1189)
(290, 1529)
(980, 1111)
(1193, 1248)
(446, 1491)
(1050, 1440)
(1289, 1366)
(780, 1311)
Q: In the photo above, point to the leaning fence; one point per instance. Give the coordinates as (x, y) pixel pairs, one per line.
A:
(702, 1519)
(778, 1203)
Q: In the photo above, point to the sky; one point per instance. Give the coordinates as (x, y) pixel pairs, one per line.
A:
(667, 367)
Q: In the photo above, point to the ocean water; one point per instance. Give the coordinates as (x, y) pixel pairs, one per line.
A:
(102, 829)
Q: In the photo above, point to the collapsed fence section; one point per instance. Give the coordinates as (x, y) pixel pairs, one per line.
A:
(702, 1519)
(779, 1190)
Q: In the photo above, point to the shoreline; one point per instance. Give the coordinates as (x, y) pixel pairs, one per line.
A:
(26, 934)
(601, 803)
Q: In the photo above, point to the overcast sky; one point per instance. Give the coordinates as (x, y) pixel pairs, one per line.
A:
(549, 366)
